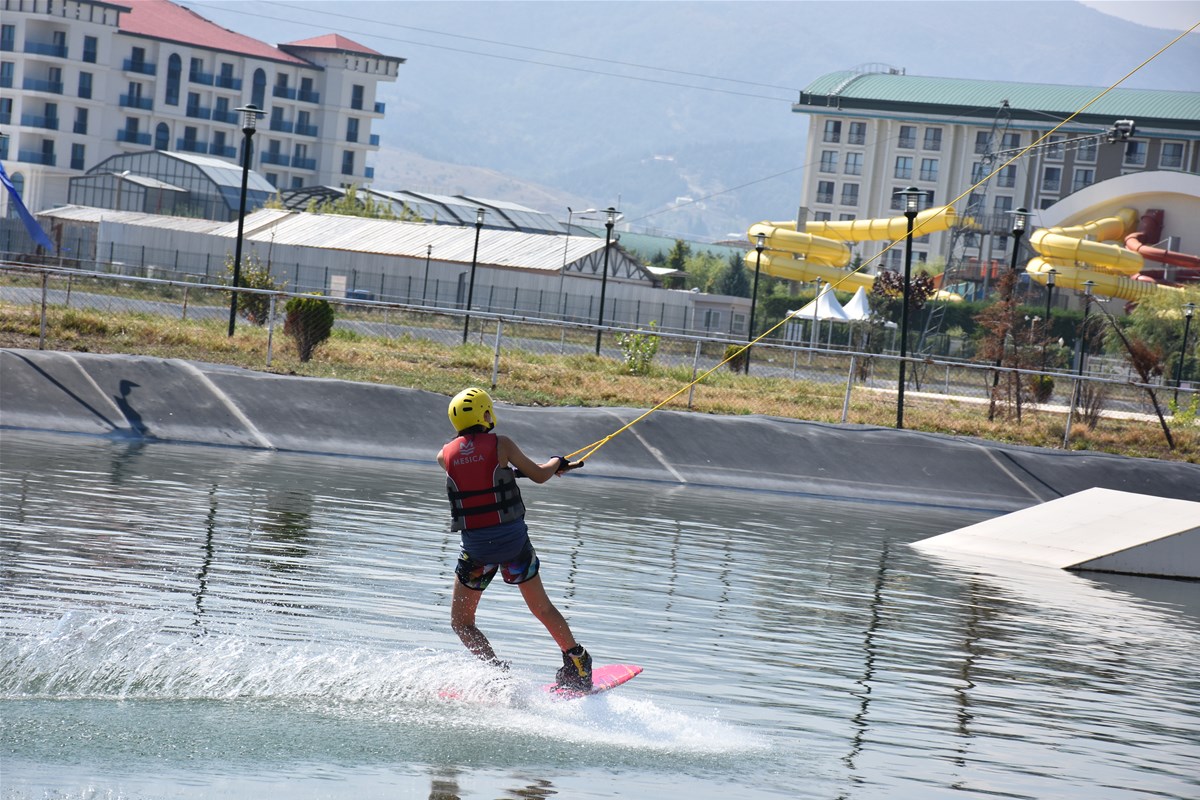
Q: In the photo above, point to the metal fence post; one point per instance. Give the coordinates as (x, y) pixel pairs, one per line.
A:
(496, 352)
(186, 289)
(695, 367)
(42, 334)
(849, 383)
(1070, 412)
(270, 329)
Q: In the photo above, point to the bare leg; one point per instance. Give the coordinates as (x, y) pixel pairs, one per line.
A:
(539, 604)
(462, 621)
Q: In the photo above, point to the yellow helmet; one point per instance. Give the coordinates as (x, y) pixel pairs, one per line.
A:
(468, 409)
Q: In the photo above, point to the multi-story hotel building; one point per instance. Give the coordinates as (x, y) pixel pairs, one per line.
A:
(872, 134)
(84, 80)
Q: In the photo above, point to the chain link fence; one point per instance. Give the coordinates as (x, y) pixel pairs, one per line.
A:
(282, 330)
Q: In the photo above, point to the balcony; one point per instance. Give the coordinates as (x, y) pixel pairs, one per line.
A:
(282, 125)
(46, 49)
(198, 112)
(130, 101)
(205, 78)
(1051, 185)
(280, 159)
(34, 121)
(222, 150)
(309, 96)
(229, 82)
(133, 137)
(286, 92)
(306, 130)
(191, 145)
(80, 127)
(856, 138)
(380, 108)
(140, 67)
(907, 142)
(37, 157)
(304, 163)
(35, 85)
(225, 116)
(824, 197)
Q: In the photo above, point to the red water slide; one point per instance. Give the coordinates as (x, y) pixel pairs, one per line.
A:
(1143, 241)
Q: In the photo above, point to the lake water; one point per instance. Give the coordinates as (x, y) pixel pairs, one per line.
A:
(190, 622)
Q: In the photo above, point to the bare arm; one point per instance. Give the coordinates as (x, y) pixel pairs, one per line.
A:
(508, 453)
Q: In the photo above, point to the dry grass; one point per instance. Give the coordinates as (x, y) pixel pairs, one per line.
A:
(570, 380)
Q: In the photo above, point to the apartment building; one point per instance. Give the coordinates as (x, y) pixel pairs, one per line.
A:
(872, 134)
(84, 80)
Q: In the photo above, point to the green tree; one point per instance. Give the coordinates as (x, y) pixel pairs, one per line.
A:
(254, 307)
(309, 322)
(735, 281)
(705, 272)
(677, 258)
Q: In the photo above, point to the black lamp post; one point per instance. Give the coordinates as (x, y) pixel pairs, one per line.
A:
(479, 212)
(759, 246)
(425, 280)
(912, 198)
(1083, 332)
(250, 115)
(609, 220)
(1188, 310)
(1049, 295)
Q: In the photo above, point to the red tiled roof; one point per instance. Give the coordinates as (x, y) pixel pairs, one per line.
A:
(162, 19)
(334, 41)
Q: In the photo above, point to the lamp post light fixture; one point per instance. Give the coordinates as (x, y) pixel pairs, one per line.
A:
(759, 246)
(610, 219)
(250, 115)
(1188, 310)
(912, 198)
(1046, 330)
(479, 213)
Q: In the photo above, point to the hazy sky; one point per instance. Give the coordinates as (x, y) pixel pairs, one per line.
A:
(1176, 15)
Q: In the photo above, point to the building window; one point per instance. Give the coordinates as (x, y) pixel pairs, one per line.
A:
(297, 182)
(908, 137)
(85, 85)
(272, 178)
(847, 217)
(347, 162)
(1052, 179)
(849, 194)
(89, 49)
(352, 129)
(81, 121)
(258, 93)
(1054, 150)
(174, 76)
(829, 159)
(933, 138)
(162, 137)
(824, 191)
(1011, 141)
(858, 133)
(1086, 152)
(1006, 178)
(1083, 179)
(77, 156)
(897, 200)
(903, 167)
(822, 216)
(8, 38)
(983, 142)
(1003, 204)
(929, 169)
(1135, 154)
(833, 131)
(1046, 202)
(1172, 156)
(219, 147)
(356, 97)
(6, 74)
(854, 163)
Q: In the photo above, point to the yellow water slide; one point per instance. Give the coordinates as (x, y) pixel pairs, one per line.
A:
(820, 250)
(1076, 259)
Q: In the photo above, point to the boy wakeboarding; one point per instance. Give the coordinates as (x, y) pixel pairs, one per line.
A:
(486, 506)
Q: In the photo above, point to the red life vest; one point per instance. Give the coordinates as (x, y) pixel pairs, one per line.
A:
(482, 493)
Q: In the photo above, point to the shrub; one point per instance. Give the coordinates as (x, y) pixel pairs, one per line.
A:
(309, 321)
(638, 350)
(1041, 387)
(254, 307)
(735, 357)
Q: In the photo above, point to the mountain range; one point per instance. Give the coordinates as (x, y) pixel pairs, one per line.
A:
(678, 113)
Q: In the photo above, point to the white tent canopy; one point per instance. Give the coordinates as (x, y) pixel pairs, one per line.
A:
(823, 307)
(858, 309)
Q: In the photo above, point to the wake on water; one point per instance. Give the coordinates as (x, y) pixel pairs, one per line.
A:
(95, 656)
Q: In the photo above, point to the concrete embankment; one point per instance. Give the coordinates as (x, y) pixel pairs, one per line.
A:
(168, 400)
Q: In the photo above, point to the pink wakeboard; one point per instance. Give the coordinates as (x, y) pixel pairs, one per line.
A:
(605, 677)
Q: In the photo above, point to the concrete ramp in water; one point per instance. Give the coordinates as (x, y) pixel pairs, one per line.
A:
(1101, 530)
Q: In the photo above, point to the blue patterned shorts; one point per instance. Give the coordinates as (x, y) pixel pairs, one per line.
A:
(477, 575)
